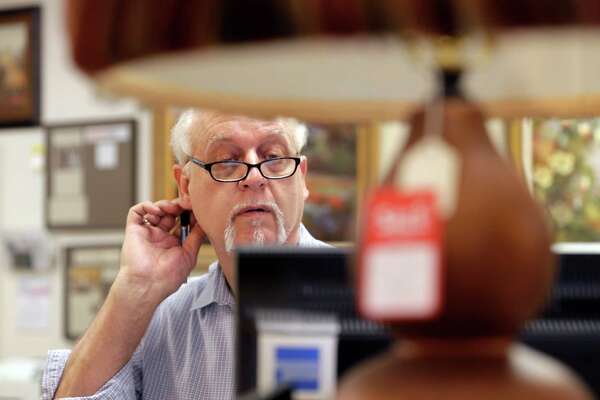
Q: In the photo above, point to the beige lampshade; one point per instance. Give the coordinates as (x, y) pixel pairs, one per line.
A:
(341, 60)
(550, 72)
(318, 80)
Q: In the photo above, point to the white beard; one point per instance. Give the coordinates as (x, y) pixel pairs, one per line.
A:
(258, 234)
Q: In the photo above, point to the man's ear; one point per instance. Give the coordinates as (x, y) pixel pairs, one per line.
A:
(304, 170)
(183, 186)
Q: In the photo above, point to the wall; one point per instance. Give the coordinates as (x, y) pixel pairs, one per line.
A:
(67, 96)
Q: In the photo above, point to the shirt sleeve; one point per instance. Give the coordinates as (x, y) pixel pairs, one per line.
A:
(121, 386)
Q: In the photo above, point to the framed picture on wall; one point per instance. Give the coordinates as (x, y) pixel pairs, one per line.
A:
(566, 176)
(89, 274)
(90, 174)
(560, 161)
(20, 67)
(329, 212)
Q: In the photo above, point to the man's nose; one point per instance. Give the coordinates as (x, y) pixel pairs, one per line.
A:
(254, 180)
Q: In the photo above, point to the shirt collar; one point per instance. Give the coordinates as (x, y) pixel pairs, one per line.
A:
(307, 240)
(216, 290)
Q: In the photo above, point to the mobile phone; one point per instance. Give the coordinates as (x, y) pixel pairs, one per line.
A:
(184, 227)
(184, 222)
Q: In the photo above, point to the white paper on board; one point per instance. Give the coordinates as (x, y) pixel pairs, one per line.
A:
(111, 132)
(67, 182)
(106, 155)
(65, 138)
(33, 303)
(68, 210)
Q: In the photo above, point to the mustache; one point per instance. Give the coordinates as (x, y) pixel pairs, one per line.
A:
(270, 206)
(230, 233)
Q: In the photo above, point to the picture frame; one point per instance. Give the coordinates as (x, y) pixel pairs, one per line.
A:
(90, 174)
(565, 176)
(332, 204)
(559, 160)
(88, 275)
(20, 67)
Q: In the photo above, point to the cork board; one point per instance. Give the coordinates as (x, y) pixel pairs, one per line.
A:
(90, 175)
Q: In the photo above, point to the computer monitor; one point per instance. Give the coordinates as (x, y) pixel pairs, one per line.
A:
(311, 291)
(294, 306)
(569, 327)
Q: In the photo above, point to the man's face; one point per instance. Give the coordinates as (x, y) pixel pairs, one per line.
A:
(253, 211)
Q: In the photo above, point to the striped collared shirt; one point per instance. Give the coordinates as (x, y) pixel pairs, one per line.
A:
(187, 351)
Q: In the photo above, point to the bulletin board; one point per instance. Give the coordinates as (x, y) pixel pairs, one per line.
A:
(90, 174)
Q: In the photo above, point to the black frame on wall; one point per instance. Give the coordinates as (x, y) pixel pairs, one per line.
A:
(70, 328)
(20, 73)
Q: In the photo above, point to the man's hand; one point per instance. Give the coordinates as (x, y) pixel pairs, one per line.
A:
(153, 263)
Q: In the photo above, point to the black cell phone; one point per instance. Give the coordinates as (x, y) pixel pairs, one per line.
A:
(184, 221)
(184, 229)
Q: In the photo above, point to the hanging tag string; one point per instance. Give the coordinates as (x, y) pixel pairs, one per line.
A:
(434, 116)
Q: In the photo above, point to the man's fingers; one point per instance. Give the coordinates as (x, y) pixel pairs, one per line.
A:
(153, 220)
(139, 211)
(167, 223)
(170, 206)
(161, 213)
(194, 240)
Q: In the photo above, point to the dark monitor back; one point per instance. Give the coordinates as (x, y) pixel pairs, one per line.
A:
(569, 328)
(300, 279)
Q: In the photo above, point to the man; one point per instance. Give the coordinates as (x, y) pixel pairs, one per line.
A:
(244, 181)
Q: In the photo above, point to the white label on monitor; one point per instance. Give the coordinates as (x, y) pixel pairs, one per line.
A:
(309, 363)
(402, 281)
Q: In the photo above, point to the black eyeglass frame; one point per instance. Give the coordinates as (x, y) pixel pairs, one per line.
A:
(208, 167)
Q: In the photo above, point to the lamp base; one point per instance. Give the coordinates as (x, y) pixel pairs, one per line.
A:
(491, 370)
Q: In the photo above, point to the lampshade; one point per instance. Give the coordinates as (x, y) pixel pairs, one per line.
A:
(336, 60)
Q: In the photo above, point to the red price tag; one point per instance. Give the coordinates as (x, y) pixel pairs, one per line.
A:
(400, 265)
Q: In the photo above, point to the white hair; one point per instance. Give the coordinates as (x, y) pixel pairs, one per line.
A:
(181, 136)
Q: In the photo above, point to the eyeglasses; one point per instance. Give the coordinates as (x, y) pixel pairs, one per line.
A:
(235, 171)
